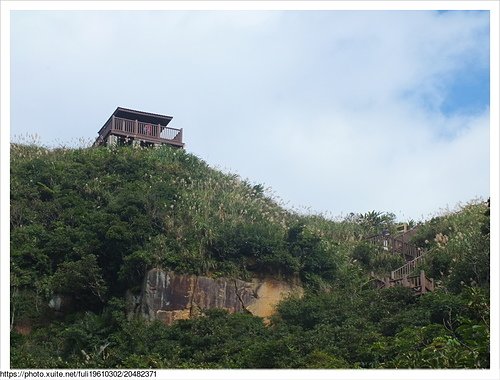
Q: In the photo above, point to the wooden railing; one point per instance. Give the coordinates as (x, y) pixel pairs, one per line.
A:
(401, 276)
(419, 283)
(140, 128)
(171, 134)
(395, 245)
(406, 269)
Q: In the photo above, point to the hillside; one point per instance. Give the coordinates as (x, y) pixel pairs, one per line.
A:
(90, 223)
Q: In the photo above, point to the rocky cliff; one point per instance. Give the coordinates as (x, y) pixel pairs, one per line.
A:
(167, 296)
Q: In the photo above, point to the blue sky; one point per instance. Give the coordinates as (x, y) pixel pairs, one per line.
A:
(468, 92)
(336, 111)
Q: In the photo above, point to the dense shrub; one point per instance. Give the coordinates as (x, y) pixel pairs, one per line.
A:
(89, 223)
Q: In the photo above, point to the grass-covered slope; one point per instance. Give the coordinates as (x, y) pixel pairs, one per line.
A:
(89, 223)
(113, 213)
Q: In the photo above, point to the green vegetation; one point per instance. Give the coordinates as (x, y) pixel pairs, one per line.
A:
(89, 223)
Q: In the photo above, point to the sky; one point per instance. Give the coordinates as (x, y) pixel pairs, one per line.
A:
(335, 111)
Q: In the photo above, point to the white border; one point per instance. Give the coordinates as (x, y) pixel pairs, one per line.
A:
(492, 6)
(5, 186)
(251, 5)
(494, 185)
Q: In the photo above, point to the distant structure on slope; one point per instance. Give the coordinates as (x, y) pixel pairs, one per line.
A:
(138, 128)
(408, 275)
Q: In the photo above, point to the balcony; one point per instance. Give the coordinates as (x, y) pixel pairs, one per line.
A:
(129, 127)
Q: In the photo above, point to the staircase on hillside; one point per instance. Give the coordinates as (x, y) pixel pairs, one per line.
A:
(413, 255)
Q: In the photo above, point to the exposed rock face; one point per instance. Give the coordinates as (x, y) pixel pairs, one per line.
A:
(61, 303)
(167, 296)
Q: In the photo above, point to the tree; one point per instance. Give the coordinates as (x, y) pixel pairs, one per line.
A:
(82, 280)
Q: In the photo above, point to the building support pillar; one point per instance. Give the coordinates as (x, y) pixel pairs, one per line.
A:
(112, 140)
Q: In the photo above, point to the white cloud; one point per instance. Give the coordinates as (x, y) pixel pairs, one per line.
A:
(338, 111)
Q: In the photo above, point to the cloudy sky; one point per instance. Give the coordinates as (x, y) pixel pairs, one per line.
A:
(336, 111)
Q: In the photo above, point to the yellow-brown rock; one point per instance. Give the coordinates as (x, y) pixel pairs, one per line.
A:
(167, 296)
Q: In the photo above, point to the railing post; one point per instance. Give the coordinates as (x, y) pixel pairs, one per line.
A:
(422, 281)
(135, 126)
(113, 122)
(405, 281)
(158, 131)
